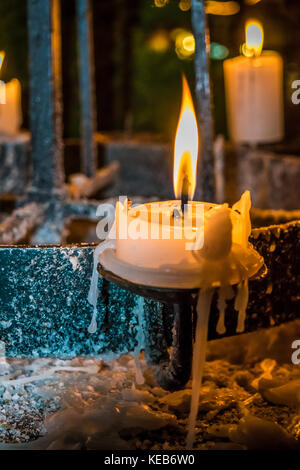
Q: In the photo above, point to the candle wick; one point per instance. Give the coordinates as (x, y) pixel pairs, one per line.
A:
(184, 192)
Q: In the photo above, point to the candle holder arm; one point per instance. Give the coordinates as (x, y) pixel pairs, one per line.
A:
(172, 369)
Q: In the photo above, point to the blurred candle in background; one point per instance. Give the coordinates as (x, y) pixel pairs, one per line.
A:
(2, 84)
(10, 105)
(254, 91)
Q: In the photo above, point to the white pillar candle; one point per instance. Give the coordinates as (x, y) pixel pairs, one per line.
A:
(254, 95)
(10, 108)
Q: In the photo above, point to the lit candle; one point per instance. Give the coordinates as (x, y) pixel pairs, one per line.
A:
(183, 244)
(206, 245)
(254, 91)
(10, 105)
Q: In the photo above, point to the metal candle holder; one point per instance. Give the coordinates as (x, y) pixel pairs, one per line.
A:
(171, 371)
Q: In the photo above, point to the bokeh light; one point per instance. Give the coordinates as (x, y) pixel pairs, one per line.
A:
(185, 5)
(251, 2)
(159, 41)
(184, 43)
(218, 51)
(221, 8)
(160, 3)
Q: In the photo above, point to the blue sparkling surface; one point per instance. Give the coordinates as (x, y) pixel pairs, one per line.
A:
(44, 309)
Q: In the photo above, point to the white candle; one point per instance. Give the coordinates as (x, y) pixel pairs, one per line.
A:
(254, 92)
(204, 246)
(10, 104)
(154, 237)
(10, 108)
(207, 247)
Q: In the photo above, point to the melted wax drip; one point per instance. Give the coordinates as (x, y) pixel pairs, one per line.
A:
(241, 302)
(11, 381)
(221, 329)
(139, 310)
(94, 290)
(203, 311)
(224, 294)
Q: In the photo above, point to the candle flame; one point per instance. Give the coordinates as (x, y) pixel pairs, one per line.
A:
(254, 38)
(2, 55)
(186, 145)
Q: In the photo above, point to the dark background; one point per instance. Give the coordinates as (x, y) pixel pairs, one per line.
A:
(138, 72)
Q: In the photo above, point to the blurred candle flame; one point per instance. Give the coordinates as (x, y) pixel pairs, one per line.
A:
(254, 39)
(186, 145)
(2, 84)
(2, 55)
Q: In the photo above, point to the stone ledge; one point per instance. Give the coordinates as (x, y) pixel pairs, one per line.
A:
(44, 309)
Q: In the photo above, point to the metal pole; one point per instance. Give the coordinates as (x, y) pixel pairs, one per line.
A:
(45, 99)
(203, 93)
(86, 88)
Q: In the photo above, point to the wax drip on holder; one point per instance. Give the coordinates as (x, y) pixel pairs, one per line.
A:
(191, 312)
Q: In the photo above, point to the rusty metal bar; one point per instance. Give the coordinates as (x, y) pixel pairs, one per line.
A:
(86, 88)
(45, 99)
(204, 109)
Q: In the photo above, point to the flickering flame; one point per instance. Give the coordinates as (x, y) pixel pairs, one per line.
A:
(254, 38)
(186, 145)
(2, 55)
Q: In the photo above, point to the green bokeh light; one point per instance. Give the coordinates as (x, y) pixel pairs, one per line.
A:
(218, 51)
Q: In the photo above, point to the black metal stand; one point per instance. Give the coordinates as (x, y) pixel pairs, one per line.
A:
(172, 371)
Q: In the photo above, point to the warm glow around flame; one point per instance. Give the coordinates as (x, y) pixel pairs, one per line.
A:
(254, 38)
(2, 55)
(186, 145)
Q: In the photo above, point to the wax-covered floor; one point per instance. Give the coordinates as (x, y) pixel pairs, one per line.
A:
(250, 399)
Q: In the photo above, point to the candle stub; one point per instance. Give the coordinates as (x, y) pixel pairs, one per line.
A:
(208, 247)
